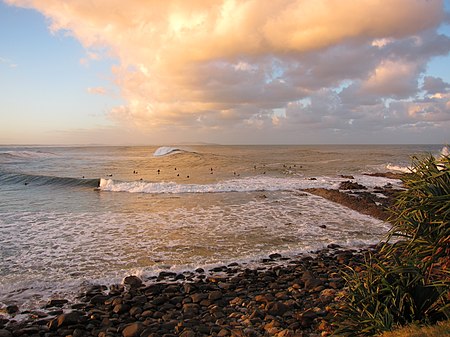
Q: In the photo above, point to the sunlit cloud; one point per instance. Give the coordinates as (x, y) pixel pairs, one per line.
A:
(218, 64)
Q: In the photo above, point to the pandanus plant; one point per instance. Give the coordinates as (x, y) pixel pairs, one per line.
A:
(408, 280)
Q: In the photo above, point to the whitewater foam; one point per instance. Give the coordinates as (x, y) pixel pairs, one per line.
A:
(245, 184)
(108, 246)
(165, 151)
(398, 168)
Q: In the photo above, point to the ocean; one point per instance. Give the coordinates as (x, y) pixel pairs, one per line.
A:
(75, 216)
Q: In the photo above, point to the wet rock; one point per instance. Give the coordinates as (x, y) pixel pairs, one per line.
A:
(310, 280)
(166, 274)
(121, 308)
(198, 297)
(5, 333)
(188, 333)
(12, 309)
(133, 330)
(350, 185)
(274, 256)
(133, 282)
(276, 308)
(98, 299)
(215, 295)
(70, 318)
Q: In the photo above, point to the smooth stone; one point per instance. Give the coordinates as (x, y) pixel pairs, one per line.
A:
(70, 318)
(98, 299)
(133, 330)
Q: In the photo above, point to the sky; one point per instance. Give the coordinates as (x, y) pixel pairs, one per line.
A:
(224, 71)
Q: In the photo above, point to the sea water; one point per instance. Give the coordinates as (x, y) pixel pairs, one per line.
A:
(74, 216)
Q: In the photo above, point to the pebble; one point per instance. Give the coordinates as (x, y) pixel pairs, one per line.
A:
(297, 298)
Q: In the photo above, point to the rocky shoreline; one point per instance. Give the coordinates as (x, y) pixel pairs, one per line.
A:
(284, 296)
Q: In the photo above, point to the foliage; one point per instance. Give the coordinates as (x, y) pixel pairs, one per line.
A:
(409, 279)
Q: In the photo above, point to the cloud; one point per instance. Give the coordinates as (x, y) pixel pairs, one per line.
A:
(218, 64)
(9, 63)
(97, 91)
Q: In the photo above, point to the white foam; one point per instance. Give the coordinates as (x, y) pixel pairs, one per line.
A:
(245, 184)
(61, 248)
(398, 168)
(165, 150)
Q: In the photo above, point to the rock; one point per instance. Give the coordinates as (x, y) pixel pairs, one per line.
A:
(223, 332)
(276, 308)
(56, 303)
(350, 185)
(310, 280)
(274, 256)
(166, 274)
(12, 309)
(198, 297)
(191, 309)
(5, 333)
(333, 246)
(98, 299)
(188, 333)
(70, 318)
(132, 281)
(133, 330)
(215, 295)
(121, 308)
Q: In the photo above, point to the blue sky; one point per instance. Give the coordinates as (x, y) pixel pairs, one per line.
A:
(192, 75)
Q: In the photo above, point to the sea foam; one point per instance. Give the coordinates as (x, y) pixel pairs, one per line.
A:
(245, 184)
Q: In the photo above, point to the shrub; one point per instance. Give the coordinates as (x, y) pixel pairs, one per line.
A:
(409, 280)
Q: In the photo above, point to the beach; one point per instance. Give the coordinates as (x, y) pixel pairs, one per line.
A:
(282, 297)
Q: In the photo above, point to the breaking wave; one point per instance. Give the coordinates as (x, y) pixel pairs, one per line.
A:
(167, 150)
(39, 180)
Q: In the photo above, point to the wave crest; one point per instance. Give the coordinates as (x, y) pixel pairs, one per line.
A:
(166, 150)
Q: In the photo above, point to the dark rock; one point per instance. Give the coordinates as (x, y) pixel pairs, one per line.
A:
(132, 281)
(98, 299)
(5, 333)
(188, 333)
(12, 309)
(70, 318)
(166, 274)
(350, 185)
(215, 295)
(121, 308)
(276, 308)
(133, 330)
(198, 297)
(333, 246)
(274, 256)
(310, 280)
